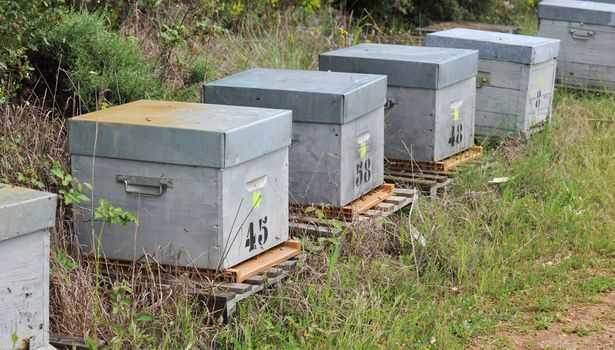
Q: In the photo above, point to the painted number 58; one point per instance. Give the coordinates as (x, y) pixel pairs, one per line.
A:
(364, 172)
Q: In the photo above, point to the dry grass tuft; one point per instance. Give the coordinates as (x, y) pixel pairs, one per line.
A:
(33, 140)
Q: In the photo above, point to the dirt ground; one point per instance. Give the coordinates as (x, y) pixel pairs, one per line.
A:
(582, 327)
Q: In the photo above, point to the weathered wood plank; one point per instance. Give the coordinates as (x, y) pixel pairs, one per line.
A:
(238, 288)
(67, 342)
(24, 290)
(468, 25)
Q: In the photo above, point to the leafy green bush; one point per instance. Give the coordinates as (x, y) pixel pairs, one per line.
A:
(456, 9)
(421, 12)
(94, 65)
(22, 23)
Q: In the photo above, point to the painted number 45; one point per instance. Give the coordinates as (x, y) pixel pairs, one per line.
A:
(262, 235)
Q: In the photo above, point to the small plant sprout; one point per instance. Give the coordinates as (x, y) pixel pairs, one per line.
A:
(109, 214)
(14, 339)
(71, 190)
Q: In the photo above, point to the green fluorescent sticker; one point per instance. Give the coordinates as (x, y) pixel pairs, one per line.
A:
(456, 113)
(363, 150)
(256, 199)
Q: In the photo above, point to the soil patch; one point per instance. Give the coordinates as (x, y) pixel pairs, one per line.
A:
(583, 327)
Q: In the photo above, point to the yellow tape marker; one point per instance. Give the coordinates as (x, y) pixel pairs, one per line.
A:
(456, 113)
(256, 199)
(363, 150)
(540, 79)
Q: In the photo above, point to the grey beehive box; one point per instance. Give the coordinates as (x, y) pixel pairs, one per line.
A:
(208, 183)
(604, 1)
(587, 32)
(516, 77)
(431, 93)
(25, 218)
(337, 150)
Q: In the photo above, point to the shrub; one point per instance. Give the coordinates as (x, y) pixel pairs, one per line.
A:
(21, 24)
(94, 65)
(421, 12)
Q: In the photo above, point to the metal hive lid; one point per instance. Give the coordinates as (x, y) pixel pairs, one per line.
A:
(406, 66)
(181, 133)
(604, 1)
(24, 211)
(591, 12)
(313, 96)
(498, 46)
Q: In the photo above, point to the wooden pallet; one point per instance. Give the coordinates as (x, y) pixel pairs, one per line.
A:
(446, 165)
(219, 295)
(432, 183)
(67, 342)
(353, 210)
(223, 299)
(431, 178)
(237, 273)
(468, 25)
(302, 223)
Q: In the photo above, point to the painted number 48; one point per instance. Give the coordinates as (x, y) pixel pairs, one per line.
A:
(456, 135)
(263, 234)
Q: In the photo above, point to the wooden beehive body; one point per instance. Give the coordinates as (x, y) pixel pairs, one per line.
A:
(25, 218)
(431, 96)
(208, 183)
(515, 82)
(338, 127)
(587, 32)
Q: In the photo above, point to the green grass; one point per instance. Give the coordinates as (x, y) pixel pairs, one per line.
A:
(519, 254)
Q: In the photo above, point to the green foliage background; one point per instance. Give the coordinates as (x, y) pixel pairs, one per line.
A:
(77, 49)
(23, 24)
(95, 64)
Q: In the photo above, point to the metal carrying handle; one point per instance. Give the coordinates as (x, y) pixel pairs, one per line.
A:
(482, 81)
(390, 104)
(586, 35)
(148, 182)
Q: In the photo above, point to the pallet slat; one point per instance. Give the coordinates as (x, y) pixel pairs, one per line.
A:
(372, 198)
(362, 204)
(445, 165)
(410, 180)
(264, 261)
(402, 198)
(62, 342)
(222, 304)
(418, 175)
(462, 158)
(430, 178)
(469, 25)
(239, 288)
